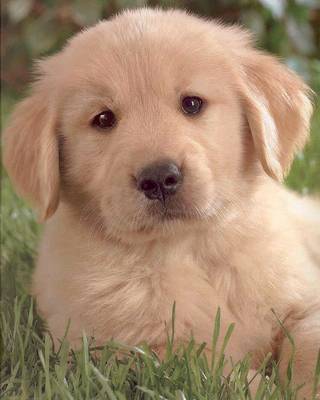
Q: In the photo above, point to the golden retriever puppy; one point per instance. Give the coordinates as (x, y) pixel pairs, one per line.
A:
(153, 144)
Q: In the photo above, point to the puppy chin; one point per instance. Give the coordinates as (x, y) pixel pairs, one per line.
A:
(155, 222)
(162, 227)
(164, 221)
(154, 219)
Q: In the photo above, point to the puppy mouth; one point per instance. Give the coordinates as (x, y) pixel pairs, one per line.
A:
(161, 216)
(169, 215)
(170, 211)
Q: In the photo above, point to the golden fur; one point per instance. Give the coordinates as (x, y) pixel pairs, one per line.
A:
(233, 237)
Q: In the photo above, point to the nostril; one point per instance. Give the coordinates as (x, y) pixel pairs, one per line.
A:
(170, 181)
(148, 185)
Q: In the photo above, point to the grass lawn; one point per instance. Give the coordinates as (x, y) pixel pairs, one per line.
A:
(31, 370)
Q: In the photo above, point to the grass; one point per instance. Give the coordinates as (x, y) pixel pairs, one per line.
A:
(30, 369)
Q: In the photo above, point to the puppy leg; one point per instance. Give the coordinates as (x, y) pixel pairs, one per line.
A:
(304, 328)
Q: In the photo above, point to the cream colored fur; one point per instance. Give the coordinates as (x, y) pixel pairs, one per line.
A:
(236, 239)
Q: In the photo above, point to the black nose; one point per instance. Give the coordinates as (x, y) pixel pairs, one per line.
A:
(159, 180)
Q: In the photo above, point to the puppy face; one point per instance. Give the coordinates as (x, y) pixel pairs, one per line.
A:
(162, 120)
(148, 88)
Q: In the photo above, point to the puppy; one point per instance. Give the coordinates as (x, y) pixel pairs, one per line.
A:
(153, 144)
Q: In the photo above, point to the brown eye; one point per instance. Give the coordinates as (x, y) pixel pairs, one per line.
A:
(191, 105)
(105, 120)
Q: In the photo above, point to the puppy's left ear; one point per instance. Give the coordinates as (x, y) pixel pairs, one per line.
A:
(277, 108)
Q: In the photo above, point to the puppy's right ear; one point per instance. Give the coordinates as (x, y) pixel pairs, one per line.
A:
(278, 109)
(31, 150)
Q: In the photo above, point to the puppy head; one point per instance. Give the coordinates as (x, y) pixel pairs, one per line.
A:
(162, 119)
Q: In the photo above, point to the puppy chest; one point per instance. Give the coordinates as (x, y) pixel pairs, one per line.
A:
(140, 292)
(130, 295)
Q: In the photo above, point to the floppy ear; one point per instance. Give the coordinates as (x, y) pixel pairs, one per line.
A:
(31, 151)
(277, 108)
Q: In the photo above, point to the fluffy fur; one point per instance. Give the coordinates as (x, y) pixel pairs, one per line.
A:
(114, 262)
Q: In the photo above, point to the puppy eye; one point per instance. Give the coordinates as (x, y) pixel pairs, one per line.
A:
(105, 120)
(191, 105)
